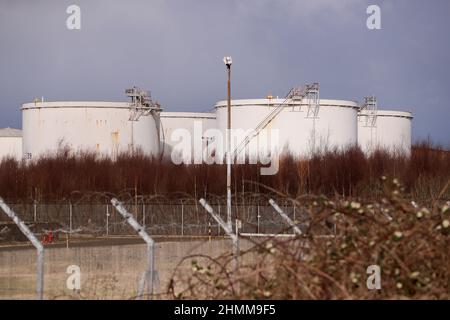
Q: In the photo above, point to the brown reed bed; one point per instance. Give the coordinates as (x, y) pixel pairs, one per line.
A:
(341, 173)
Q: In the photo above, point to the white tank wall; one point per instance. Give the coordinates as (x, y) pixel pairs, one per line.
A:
(392, 132)
(103, 127)
(195, 124)
(335, 126)
(11, 147)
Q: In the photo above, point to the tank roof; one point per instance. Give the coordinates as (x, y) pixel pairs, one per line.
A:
(265, 102)
(75, 104)
(390, 113)
(205, 115)
(10, 132)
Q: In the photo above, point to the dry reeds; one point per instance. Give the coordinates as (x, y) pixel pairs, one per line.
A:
(334, 173)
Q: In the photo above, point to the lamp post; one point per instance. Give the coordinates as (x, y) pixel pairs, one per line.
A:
(228, 62)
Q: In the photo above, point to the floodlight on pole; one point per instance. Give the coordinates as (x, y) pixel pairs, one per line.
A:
(228, 61)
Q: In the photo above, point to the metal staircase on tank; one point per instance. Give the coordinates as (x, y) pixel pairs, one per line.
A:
(141, 103)
(370, 104)
(309, 92)
(312, 97)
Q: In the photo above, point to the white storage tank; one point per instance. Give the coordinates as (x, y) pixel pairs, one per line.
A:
(186, 136)
(10, 143)
(102, 127)
(302, 129)
(390, 131)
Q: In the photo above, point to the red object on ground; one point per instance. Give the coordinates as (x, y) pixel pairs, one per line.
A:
(48, 237)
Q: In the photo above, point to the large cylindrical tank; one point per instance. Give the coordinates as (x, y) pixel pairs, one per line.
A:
(10, 143)
(302, 130)
(185, 135)
(390, 131)
(102, 127)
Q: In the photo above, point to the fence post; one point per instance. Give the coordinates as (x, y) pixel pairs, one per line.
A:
(218, 225)
(182, 218)
(143, 214)
(150, 246)
(36, 243)
(285, 217)
(209, 231)
(227, 228)
(107, 220)
(295, 221)
(70, 217)
(258, 217)
(35, 210)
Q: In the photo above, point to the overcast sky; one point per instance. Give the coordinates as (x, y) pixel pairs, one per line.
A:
(175, 49)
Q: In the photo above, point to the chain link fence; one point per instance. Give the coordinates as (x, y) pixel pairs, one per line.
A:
(168, 218)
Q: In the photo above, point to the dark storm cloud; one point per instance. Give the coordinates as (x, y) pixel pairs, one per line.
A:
(175, 49)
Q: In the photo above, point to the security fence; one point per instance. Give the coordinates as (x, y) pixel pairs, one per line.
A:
(165, 218)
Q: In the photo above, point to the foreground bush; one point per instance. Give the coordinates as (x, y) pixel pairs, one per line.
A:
(408, 243)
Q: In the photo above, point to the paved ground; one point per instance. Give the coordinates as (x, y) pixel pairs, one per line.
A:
(111, 268)
(89, 241)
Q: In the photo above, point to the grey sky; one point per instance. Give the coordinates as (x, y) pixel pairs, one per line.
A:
(175, 48)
